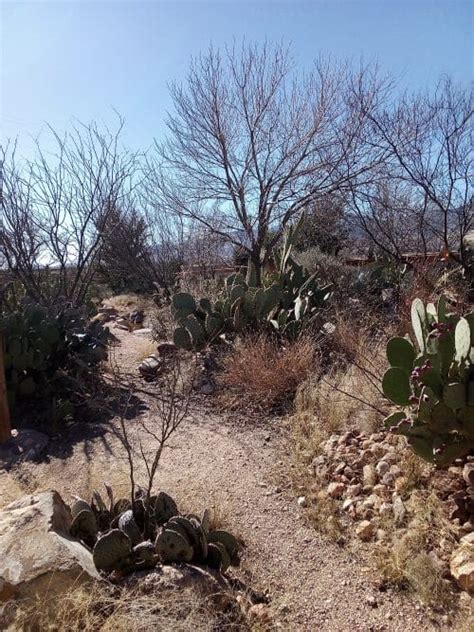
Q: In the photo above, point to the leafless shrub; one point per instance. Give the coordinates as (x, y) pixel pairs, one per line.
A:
(55, 207)
(267, 372)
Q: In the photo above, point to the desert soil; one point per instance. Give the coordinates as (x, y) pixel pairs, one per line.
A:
(238, 470)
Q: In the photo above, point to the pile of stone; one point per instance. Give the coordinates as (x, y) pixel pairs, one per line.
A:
(365, 474)
(126, 321)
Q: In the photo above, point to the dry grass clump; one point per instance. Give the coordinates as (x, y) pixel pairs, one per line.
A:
(108, 608)
(265, 372)
(128, 302)
(409, 560)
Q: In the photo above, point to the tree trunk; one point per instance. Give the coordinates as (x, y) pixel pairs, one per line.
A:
(5, 428)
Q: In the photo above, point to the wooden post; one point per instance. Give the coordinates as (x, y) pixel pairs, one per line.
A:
(5, 428)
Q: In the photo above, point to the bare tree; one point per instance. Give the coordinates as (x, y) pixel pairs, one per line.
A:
(255, 143)
(428, 140)
(55, 207)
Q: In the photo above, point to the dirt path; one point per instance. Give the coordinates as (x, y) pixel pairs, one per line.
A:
(313, 584)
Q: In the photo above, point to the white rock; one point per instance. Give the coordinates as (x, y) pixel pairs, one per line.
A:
(302, 501)
(382, 468)
(37, 554)
(399, 510)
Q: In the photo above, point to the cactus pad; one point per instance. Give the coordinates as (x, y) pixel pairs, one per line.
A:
(165, 508)
(84, 526)
(226, 539)
(128, 525)
(172, 547)
(111, 550)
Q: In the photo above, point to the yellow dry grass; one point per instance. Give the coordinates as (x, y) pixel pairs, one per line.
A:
(108, 609)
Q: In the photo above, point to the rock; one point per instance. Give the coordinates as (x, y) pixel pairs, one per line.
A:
(354, 490)
(368, 475)
(399, 510)
(388, 479)
(123, 323)
(462, 563)
(468, 474)
(137, 316)
(385, 509)
(38, 555)
(365, 530)
(101, 317)
(335, 490)
(302, 501)
(377, 450)
(146, 331)
(382, 468)
(24, 445)
(167, 349)
(150, 366)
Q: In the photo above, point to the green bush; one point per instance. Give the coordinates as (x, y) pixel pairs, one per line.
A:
(433, 385)
(47, 352)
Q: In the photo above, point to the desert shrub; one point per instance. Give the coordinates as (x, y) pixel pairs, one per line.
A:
(49, 355)
(266, 372)
(433, 385)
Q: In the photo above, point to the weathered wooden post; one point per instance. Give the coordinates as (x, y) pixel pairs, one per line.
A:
(5, 428)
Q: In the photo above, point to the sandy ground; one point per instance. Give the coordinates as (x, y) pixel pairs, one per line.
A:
(238, 471)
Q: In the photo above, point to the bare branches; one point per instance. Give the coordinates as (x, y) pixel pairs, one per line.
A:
(428, 140)
(169, 406)
(56, 205)
(254, 143)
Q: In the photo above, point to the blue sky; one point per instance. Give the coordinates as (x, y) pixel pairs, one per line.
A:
(81, 59)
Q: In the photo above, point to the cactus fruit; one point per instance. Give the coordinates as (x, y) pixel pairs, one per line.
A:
(111, 550)
(171, 546)
(435, 387)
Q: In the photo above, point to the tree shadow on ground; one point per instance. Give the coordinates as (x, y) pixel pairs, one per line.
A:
(93, 421)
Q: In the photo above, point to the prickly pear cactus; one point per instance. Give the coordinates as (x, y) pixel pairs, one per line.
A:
(165, 508)
(289, 300)
(124, 541)
(433, 384)
(112, 550)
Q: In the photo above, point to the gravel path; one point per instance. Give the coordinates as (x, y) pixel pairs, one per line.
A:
(313, 584)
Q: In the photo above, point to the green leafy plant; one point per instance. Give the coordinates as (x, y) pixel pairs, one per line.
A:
(432, 383)
(125, 536)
